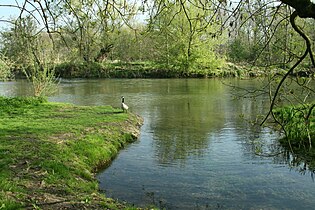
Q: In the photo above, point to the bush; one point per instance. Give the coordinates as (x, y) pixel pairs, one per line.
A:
(298, 129)
(79, 70)
(5, 68)
(20, 101)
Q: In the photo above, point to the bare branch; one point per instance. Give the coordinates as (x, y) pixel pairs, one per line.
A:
(292, 21)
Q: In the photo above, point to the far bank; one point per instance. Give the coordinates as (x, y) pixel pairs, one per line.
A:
(117, 69)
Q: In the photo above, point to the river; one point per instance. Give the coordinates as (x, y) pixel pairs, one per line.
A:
(197, 148)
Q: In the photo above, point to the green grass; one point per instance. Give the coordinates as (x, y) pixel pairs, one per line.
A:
(298, 129)
(300, 134)
(49, 152)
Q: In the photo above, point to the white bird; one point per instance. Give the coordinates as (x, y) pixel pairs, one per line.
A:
(123, 105)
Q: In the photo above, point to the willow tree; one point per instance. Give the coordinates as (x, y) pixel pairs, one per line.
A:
(183, 33)
(30, 51)
(87, 26)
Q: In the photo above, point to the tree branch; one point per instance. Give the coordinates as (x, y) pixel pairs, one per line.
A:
(304, 8)
(296, 28)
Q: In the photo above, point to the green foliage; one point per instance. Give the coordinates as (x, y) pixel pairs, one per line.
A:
(237, 51)
(5, 68)
(298, 129)
(9, 205)
(179, 39)
(143, 70)
(183, 38)
(131, 46)
(42, 78)
(33, 53)
(19, 42)
(266, 38)
(18, 102)
(80, 70)
(300, 135)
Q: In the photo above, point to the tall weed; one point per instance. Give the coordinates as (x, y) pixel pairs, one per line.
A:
(298, 129)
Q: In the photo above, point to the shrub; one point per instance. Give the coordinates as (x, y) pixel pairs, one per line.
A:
(297, 128)
(79, 70)
(21, 101)
(5, 68)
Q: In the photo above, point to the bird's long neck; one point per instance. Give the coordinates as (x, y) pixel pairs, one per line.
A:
(122, 100)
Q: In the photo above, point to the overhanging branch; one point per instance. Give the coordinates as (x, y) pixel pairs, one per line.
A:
(304, 8)
(293, 16)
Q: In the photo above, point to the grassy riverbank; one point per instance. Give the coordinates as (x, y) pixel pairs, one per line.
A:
(153, 70)
(49, 153)
(130, 70)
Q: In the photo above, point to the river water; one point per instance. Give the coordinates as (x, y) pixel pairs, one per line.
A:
(197, 148)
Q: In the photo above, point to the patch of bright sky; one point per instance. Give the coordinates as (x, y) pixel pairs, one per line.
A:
(8, 11)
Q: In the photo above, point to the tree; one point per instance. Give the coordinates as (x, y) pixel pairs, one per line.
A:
(183, 33)
(292, 49)
(90, 24)
(32, 52)
(5, 68)
(19, 41)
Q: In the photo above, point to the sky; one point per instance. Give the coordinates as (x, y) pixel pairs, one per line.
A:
(7, 12)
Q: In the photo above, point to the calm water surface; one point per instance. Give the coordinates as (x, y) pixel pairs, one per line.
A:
(197, 146)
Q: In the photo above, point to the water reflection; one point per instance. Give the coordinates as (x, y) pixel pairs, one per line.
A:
(15, 88)
(184, 118)
(299, 159)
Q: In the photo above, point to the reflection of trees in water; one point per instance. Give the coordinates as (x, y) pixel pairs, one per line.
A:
(16, 88)
(300, 159)
(248, 114)
(297, 157)
(185, 117)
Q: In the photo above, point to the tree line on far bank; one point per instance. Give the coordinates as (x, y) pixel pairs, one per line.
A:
(169, 35)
